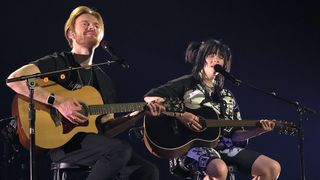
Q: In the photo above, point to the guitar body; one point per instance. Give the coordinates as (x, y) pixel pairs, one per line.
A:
(167, 137)
(51, 129)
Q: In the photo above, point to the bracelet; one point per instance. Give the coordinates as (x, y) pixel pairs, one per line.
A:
(177, 114)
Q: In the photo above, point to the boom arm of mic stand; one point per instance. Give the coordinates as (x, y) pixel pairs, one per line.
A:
(39, 75)
(122, 62)
(274, 94)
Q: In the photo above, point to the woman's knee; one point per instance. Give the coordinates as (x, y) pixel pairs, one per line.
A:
(272, 169)
(275, 168)
(217, 168)
(265, 166)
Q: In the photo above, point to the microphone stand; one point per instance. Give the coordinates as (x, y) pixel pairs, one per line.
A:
(31, 83)
(301, 109)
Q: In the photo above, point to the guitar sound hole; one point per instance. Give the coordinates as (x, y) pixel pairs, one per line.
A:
(84, 109)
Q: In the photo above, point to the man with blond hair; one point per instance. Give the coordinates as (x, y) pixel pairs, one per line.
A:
(107, 156)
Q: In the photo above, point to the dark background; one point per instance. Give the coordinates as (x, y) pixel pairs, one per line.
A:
(274, 44)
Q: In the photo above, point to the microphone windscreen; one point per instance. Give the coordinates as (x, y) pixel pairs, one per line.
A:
(218, 68)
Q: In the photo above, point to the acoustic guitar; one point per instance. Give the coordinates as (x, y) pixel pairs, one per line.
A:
(167, 137)
(52, 130)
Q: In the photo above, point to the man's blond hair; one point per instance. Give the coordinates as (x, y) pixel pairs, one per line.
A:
(69, 26)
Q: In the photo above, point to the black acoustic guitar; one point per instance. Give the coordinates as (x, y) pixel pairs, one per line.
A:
(167, 137)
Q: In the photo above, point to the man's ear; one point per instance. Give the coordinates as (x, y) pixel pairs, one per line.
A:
(70, 34)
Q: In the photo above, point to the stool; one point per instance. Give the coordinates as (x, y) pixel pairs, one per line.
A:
(60, 169)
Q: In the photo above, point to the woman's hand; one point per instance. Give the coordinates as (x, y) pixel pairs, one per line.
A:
(266, 125)
(188, 119)
(191, 121)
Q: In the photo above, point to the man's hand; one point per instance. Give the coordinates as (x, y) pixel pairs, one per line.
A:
(69, 109)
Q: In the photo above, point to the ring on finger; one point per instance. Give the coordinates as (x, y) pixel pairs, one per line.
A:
(190, 123)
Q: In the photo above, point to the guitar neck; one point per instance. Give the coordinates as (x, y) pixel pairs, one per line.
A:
(115, 108)
(236, 123)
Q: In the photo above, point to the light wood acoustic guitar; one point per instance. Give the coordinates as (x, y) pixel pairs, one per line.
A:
(52, 130)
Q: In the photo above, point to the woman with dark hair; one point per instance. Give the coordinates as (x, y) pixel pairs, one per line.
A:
(203, 90)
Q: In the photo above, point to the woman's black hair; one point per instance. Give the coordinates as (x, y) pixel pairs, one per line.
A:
(197, 52)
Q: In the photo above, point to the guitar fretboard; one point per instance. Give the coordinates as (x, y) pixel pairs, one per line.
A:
(235, 123)
(115, 108)
(241, 123)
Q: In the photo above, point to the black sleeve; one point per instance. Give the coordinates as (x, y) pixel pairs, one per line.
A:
(172, 89)
(56, 62)
(49, 63)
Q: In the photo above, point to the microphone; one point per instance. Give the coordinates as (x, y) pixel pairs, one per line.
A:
(218, 68)
(114, 56)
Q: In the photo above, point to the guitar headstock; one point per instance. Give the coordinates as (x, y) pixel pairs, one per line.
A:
(174, 105)
(287, 128)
